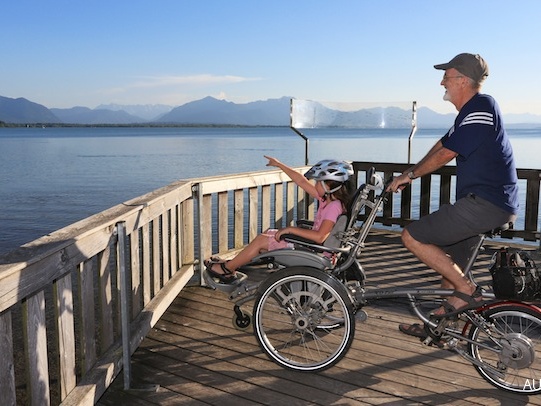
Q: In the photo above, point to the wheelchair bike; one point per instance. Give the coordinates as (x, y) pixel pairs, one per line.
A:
(304, 313)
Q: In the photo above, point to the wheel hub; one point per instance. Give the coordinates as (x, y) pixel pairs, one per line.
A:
(302, 323)
(518, 351)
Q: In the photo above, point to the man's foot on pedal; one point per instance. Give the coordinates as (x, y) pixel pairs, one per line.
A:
(419, 331)
(415, 330)
(459, 302)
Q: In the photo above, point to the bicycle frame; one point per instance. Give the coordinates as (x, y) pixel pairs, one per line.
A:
(243, 292)
(304, 314)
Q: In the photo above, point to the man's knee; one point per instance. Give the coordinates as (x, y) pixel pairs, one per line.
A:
(407, 239)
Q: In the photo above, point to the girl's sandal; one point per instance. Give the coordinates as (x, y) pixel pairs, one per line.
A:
(226, 277)
(213, 260)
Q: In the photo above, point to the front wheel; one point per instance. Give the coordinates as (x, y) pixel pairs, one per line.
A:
(509, 355)
(303, 319)
(242, 319)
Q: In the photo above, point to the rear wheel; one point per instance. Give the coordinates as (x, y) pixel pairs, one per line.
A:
(510, 355)
(303, 319)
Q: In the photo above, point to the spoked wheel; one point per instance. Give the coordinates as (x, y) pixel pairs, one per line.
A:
(303, 319)
(510, 358)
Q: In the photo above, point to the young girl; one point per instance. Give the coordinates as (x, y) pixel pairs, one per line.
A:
(330, 188)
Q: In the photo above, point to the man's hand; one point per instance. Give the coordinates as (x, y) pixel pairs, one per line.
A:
(398, 183)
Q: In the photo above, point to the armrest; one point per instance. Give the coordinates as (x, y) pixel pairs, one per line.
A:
(305, 242)
(305, 223)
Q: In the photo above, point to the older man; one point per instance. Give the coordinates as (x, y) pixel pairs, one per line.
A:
(486, 185)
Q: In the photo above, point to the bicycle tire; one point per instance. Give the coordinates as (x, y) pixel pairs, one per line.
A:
(514, 348)
(303, 319)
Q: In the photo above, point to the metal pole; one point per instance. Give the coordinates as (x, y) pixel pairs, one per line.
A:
(124, 313)
(306, 199)
(298, 132)
(413, 128)
(306, 144)
(306, 141)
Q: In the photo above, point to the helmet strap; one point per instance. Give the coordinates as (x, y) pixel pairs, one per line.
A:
(327, 191)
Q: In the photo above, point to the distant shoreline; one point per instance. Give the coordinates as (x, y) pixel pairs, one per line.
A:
(532, 126)
(134, 125)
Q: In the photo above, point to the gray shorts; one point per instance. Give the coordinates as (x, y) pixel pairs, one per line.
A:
(455, 227)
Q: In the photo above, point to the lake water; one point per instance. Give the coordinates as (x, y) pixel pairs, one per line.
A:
(52, 177)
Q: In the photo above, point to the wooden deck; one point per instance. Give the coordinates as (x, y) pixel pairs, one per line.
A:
(196, 357)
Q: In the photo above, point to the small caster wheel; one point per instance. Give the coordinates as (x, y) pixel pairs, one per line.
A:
(361, 315)
(243, 320)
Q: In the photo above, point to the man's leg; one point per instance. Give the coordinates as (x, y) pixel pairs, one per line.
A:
(434, 257)
(453, 228)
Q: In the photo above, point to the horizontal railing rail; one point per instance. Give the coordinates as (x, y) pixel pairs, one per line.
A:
(61, 312)
(431, 191)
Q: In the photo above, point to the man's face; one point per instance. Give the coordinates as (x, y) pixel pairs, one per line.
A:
(453, 83)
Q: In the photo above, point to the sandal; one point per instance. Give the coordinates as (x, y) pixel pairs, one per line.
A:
(415, 330)
(226, 277)
(472, 302)
(213, 260)
(420, 331)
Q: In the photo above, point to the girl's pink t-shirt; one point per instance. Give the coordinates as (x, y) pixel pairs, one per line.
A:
(326, 211)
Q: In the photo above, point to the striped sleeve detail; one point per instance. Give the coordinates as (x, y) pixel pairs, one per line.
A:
(480, 117)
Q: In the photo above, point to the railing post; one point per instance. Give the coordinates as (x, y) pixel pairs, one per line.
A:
(196, 194)
(124, 301)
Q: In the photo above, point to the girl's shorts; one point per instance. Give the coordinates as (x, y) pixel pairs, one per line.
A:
(272, 244)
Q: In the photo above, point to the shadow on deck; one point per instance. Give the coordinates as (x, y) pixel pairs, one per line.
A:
(197, 357)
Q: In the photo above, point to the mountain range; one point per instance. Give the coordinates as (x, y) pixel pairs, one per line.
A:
(211, 111)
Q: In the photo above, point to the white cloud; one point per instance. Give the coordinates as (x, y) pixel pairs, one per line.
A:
(172, 90)
(221, 96)
(150, 82)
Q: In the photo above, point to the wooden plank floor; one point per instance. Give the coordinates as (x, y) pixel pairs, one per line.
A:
(196, 357)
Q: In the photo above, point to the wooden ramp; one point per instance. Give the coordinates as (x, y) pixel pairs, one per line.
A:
(196, 356)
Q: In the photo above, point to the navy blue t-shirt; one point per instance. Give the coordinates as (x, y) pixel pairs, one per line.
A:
(485, 165)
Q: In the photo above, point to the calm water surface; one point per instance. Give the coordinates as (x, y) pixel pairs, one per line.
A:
(52, 177)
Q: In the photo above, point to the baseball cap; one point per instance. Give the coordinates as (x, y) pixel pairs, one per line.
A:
(470, 65)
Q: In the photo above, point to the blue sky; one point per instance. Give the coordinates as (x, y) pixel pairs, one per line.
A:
(65, 53)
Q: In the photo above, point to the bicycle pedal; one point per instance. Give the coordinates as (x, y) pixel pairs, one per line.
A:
(440, 328)
(430, 342)
(427, 341)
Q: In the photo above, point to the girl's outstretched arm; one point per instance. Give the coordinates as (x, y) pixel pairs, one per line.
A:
(295, 176)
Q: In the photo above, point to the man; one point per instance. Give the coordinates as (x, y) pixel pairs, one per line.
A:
(486, 184)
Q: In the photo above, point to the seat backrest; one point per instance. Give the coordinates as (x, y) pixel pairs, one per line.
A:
(332, 240)
(344, 222)
(354, 206)
(347, 220)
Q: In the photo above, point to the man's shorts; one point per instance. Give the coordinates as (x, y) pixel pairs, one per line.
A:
(455, 227)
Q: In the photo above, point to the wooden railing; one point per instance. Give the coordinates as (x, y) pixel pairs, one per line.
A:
(60, 313)
(75, 304)
(433, 190)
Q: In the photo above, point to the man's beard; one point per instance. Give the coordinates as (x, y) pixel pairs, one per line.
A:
(446, 96)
